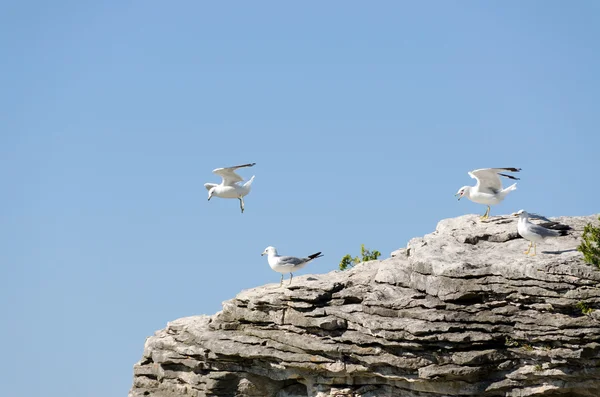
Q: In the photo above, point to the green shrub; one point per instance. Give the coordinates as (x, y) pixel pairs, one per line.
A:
(585, 309)
(590, 246)
(365, 255)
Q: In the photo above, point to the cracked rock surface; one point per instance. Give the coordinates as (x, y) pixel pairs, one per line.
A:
(459, 312)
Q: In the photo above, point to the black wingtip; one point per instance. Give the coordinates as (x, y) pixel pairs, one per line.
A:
(510, 177)
(556, 226)
(314, 256)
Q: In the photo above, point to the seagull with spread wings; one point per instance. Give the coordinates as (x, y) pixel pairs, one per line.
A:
(536, 233)
(488, 189)
(229, 186)
(286, 264)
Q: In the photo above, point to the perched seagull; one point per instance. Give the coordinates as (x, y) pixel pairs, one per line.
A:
(488, 189)
(286, 264)
(230, 187)
(534, 233)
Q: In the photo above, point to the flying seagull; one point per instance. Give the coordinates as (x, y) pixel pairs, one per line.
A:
(488, 189)
(229, 186)
(287, 264)
(534, 233)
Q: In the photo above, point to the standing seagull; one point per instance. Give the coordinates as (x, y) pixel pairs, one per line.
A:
(488, 189)
(534, 233)
(287, 264)
(230, 187)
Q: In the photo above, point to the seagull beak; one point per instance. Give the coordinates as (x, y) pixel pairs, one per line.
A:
(262, 254)
(514, 214)
(459, 196)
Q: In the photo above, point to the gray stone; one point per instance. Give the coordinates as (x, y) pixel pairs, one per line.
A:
(458, 312)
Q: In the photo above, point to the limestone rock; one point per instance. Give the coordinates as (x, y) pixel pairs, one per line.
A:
(459, 312)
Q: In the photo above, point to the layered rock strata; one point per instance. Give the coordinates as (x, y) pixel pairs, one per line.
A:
(459, 312)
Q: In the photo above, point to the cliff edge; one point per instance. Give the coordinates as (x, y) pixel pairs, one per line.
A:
(459, 312)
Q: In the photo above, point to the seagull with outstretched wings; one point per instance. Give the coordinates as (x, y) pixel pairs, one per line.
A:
(230, 185)
(488, 189)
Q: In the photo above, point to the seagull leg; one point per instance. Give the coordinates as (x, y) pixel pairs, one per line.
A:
(291, 276)
(529, 249)
(241, 203)
(281, 282)
(534, 249)
(487, 214)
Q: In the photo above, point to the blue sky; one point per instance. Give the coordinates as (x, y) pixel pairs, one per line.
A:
(363, 122)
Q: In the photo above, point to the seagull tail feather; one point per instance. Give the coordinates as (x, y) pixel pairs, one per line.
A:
(247, 184)
(510, 188)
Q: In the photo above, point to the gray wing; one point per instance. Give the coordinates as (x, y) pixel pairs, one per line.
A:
(548, 224)
(488, 179)
(228, 173)
(538, 216)
(542, 231)
(291, 261)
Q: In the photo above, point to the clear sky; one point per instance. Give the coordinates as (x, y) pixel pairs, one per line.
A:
(363, 121)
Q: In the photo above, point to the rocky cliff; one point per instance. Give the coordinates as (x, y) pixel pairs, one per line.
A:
(459, 312)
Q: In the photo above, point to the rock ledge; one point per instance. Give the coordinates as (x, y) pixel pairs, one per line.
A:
(459, 312)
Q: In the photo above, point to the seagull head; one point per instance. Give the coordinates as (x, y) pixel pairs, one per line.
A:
(269, 251)
(522, 214)
(462, 191)
(527, 215)
(210, 193)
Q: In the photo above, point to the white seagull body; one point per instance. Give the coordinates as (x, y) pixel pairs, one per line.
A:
(488, 190)
(286, 264)
(532, 232)
(230, 185)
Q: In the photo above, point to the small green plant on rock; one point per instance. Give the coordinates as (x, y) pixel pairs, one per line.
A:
(527, 347)
(590, 246)
(538, 367)
(510, 342)
(365, 255)
(585, 309)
